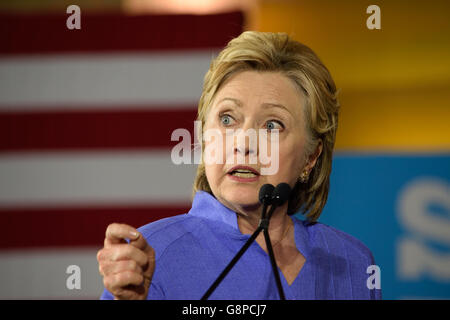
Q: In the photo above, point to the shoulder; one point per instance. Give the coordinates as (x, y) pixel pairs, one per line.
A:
(165, 232)
(161, 226)
(341, 262)
(339, 243)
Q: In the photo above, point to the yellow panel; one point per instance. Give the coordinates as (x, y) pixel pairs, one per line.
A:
(395, 120)
(394, 82)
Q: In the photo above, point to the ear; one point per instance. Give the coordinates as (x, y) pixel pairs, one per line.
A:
(312, 159)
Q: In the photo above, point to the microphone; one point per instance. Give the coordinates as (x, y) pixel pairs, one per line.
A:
(268, 195)
(279, 196)
(265, 197)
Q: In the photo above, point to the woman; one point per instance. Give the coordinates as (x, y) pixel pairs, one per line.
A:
(259, 81)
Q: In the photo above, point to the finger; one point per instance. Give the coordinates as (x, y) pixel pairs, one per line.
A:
(117, 233)
(142, 244)
(130, 293)
(107, 268)
(119, 252)
(107, 242)
(115, 282)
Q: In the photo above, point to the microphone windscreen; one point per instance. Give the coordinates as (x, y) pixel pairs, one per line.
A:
(281, 194)
(265, 193)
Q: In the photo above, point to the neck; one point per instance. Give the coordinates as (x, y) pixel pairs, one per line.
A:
(248, 221)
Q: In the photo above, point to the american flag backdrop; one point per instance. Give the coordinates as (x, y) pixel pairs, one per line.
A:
(86, 118)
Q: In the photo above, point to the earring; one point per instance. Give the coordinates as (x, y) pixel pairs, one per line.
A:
(304, 176)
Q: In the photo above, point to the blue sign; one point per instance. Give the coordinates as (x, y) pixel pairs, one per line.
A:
(399, 207)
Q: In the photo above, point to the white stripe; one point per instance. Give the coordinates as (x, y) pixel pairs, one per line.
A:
(41, 273)
(106, 81)
(93, 178)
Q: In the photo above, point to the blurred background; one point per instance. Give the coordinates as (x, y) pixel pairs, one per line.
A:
(86, 117)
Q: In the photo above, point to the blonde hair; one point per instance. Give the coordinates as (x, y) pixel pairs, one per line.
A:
(277, 52)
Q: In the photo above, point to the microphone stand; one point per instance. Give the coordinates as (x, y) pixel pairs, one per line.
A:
(263, 226)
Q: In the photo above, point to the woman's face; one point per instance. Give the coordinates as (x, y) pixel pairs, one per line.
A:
(255, 100)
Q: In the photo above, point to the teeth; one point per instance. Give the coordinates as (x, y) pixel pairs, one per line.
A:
(245, 174)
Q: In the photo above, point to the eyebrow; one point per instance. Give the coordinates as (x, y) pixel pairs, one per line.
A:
(265, 104)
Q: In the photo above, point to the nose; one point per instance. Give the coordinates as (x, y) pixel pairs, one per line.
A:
(246, 143)
(244, 150)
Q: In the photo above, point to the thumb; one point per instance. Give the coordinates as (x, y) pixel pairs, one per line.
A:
(140, 243)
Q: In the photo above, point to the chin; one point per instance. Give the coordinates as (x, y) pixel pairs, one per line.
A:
(242, 196)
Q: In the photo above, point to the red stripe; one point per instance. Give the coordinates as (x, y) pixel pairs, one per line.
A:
(25, 33)
(96, 129)
(65, 227)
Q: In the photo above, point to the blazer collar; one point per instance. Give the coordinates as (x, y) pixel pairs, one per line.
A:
(206, 206)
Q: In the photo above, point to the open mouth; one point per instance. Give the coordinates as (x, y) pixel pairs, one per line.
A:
(243, 172)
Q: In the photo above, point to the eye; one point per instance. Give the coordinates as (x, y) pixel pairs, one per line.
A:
(274, 124)
(226, 119)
